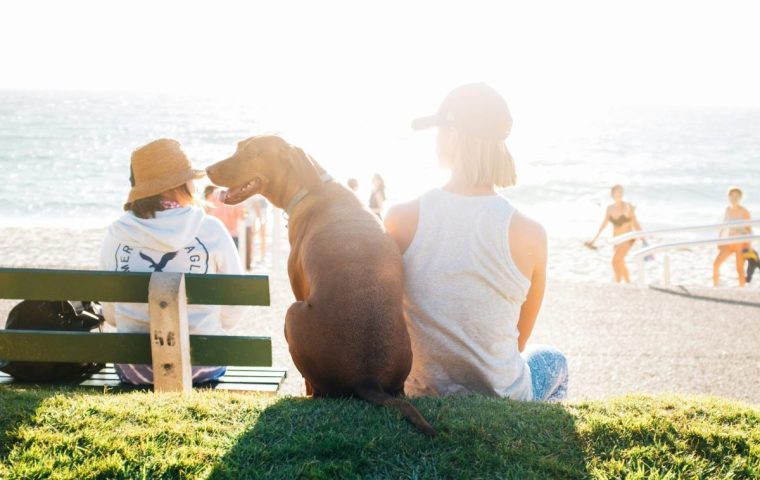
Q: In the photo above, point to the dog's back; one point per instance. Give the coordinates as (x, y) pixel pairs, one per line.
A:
(348, 336)
(355, 277)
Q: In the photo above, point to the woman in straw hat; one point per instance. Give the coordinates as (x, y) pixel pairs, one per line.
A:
(475, 267)
(164, 231)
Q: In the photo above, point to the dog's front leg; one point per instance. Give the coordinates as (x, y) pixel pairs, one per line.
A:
(297, 276)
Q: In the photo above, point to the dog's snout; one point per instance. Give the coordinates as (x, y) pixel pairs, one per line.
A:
(216, 173)
(211, 173)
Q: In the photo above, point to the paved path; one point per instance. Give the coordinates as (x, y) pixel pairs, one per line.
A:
(622, 339)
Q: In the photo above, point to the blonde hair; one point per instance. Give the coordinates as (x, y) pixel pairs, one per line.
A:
(737, 190)
(481, 162)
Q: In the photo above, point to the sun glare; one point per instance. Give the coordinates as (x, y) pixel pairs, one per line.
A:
(345, 79)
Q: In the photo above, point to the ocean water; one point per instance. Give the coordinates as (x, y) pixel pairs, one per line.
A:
(64, 158)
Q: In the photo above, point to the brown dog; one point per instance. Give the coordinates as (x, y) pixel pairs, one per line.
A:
(346, 331)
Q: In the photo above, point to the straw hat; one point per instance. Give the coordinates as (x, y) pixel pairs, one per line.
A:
(160, 166)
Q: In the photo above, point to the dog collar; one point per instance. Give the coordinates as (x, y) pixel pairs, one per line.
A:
(301, 194)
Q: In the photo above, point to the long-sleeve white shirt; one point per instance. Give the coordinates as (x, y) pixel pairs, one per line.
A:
(184, 240)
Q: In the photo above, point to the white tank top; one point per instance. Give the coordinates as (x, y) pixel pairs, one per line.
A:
(464, 294)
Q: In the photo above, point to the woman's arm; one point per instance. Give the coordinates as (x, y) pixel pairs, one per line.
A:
(227, 262)
(747, 216)
(602, 227)
(106, 263)
(532, 246)
(634, 218)
(724, 231)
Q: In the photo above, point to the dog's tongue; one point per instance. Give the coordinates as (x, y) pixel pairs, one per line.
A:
(235, 195)
(228, 196)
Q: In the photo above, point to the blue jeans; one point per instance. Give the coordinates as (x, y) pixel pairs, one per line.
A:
(548, 372)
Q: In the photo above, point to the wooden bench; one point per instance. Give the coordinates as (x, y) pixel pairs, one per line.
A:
(168, 346)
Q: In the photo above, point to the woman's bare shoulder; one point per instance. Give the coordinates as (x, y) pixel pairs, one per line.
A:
(401, 222)
(402, 213)
(527, 243)
(527, 228)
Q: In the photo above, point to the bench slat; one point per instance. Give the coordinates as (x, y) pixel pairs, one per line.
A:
(38, 284)
(48, 346)
(237, 387)
(107, 378)
(224, 379)
(232, 371)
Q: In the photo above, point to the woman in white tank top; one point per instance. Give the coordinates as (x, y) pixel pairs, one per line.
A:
(475, 267)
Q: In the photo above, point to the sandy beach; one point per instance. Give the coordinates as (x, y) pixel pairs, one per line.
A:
(618, 339)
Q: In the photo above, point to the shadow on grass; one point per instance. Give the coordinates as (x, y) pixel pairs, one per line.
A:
(477, 438)
(17, 408)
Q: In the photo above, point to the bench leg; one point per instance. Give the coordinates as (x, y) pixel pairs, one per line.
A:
(170, 338)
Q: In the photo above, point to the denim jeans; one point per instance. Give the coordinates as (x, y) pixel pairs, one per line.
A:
(548, 372)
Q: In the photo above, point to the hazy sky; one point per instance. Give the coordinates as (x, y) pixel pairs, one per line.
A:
(389, 54)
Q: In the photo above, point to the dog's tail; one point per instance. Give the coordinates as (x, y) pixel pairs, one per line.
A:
(371, 391)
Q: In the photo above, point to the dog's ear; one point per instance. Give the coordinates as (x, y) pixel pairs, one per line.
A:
(304, 168)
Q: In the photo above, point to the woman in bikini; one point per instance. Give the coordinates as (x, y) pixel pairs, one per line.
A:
(734, 211)
(623, 219)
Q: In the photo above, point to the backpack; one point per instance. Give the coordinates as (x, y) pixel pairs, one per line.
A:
(52, 315)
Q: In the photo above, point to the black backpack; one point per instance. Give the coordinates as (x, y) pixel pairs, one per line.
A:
(52, 315)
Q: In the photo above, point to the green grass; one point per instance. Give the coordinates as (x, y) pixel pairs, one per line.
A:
(48, 433)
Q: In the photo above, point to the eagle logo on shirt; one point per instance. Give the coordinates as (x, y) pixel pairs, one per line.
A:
(158, 267)
(193, 258)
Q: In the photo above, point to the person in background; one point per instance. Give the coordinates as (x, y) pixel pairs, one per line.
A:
(353, 184)
(164, 231)
(475, 267)
(208, 194)
(256, 208)
(622, 216)
(734, 211)
(377, 197)
(230, 215)
(753, 262)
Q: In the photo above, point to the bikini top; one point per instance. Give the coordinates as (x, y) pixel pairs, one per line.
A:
(620, 221)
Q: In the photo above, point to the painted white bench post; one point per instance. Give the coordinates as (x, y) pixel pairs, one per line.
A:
(169, 334)
(242, 240)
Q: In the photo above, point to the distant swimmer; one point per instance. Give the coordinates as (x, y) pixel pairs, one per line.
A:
(734, 211)
(623, 219)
